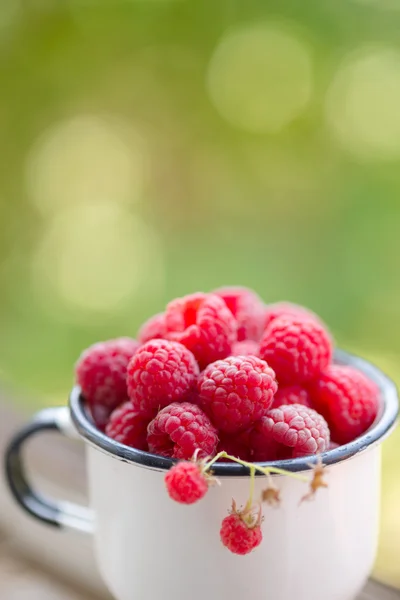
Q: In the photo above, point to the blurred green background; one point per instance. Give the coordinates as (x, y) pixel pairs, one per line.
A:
(150, 148)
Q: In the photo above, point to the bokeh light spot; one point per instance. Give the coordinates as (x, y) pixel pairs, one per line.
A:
(85, 159)
(363, 104)
(10, 13)
(96, 258)
(381, 4)
(260, 77)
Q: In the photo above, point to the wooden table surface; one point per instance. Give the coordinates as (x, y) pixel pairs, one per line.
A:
(376, 591)
(21, 580)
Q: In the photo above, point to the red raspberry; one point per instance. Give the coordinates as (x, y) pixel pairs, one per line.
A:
(248, 310)
(292, 394)
(236, 392)
(285, 309)
(179, 430)
(298, 349)
(241, 532)
(128, 426)
(101, 373)
(161, 372)
(347, 399)
(152, 328)
(236, 445)
(295, 427)
(245, 348)
(204, 324)
(186, 482)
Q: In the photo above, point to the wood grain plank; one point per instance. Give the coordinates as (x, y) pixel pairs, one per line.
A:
(19, 580)
(62, 463)
(64, 467)
(377, 591)
(22, 579)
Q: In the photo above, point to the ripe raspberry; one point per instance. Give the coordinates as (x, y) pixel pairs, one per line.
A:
(298, 349)
(292, 394)
(248, 310)
(286, 309)
(236, 392)
(179, 430)
(161, 372)
(245, 348)
(101, 373)
(152, 328)
(204, 324)
(186, 482)
(295, 427)
(347, 399)
(128, 426)
(241, 532)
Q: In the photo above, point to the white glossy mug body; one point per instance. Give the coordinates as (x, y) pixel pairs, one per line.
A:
(149, 547)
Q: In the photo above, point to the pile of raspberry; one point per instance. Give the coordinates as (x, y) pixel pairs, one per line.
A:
(222, 371)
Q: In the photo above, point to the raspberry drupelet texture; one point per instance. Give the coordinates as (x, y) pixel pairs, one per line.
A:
(245, 348)
(292, 394)
(347, 399)
(128, 426)
(153, 328)
(179, 430)
(101, 373)
(298, 431)
(186, 483)
(298, 349)
(161, 372)
(286, 309)
(241, 532)
(248, 310)
(204, 324)
(236, 392)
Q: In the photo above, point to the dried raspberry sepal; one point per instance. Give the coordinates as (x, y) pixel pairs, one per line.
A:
(317, 480)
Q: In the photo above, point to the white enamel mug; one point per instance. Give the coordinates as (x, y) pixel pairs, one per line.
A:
(150, 547)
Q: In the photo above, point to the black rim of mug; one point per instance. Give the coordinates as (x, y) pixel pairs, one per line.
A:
(382, 426)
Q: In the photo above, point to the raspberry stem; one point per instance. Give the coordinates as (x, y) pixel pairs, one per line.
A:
(249, 503)
(255, 467)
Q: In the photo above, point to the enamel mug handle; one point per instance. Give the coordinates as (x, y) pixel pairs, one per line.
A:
(52, 512)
